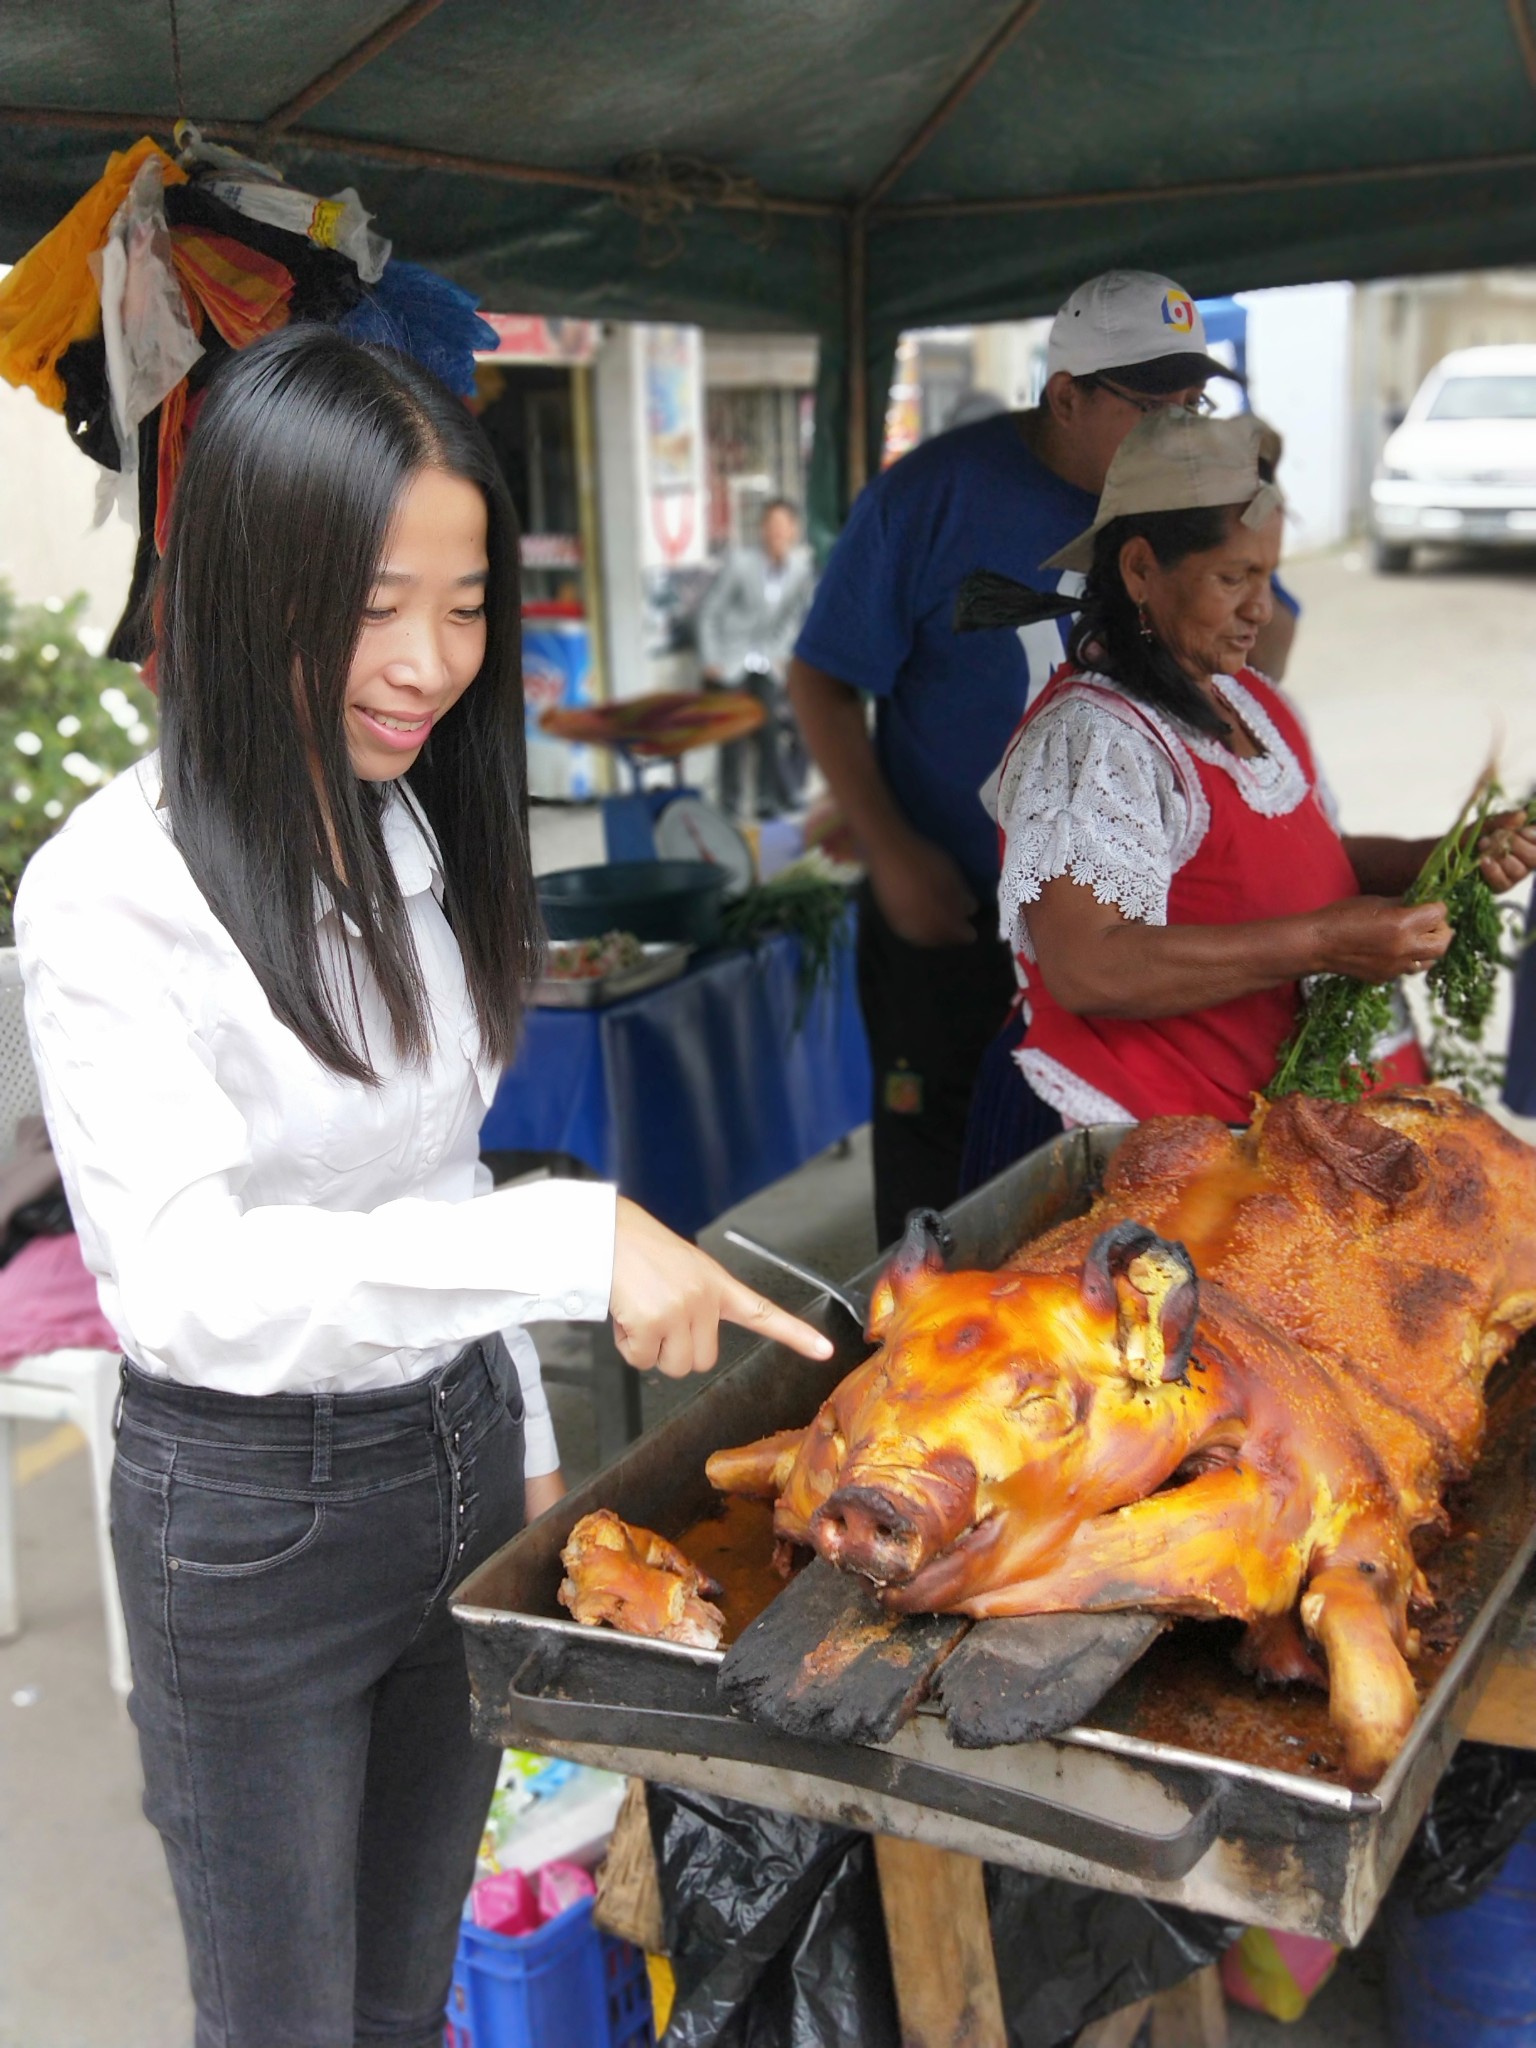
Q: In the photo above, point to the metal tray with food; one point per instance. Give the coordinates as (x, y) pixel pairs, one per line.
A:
(587, 974)
(1182, 1784)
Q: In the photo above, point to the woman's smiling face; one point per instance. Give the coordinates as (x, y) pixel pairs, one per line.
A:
(1207, 610)
(422, 640)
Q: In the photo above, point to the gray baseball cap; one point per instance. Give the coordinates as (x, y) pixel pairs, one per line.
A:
(1174, 461)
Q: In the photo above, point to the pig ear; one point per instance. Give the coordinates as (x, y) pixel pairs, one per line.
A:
(924, 1250)
(1150, 1287)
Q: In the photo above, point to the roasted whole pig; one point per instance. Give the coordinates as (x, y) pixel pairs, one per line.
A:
(634, 1580)
(1236, 1387)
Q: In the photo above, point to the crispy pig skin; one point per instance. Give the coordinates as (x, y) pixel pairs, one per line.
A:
(636, 1581)
(1050, 1437)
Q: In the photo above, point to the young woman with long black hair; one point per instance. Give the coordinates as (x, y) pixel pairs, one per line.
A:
(272, 977)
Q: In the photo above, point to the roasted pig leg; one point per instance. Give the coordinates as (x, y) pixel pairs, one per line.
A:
(634, 1580)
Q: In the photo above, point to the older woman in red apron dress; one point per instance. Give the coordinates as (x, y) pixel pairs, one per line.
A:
(1172, 869)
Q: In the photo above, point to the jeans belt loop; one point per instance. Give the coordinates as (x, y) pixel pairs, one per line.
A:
(320, 1466)
(122, 1395)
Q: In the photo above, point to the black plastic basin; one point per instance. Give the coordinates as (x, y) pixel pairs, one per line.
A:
(654, 899)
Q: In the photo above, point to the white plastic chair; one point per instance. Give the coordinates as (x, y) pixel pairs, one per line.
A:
(56, 1386)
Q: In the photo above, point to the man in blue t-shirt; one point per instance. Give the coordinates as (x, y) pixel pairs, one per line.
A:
(935, 981)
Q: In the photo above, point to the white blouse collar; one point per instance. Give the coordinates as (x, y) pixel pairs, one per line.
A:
(412, 848)
(1272, 783)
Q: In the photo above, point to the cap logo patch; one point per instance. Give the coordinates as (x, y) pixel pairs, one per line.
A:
(1179, 312)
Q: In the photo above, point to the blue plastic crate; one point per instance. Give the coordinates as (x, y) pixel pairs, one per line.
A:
(567, 1986)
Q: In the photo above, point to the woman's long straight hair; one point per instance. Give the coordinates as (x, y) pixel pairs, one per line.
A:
(283, 510)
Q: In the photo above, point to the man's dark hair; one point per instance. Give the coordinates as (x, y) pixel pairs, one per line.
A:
(779, 505)
(293, 476)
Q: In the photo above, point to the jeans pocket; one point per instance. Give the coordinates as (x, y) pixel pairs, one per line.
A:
(219, 1534)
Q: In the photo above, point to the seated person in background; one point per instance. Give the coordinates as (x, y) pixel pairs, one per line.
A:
(1170, 865)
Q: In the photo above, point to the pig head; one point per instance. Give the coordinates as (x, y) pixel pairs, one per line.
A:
(1000, 1411)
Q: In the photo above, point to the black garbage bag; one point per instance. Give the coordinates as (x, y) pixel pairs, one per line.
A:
(777, 1938)
(1069, 1953)
(1483, 1804)
(773, 1926)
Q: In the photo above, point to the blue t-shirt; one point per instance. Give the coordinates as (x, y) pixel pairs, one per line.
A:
(974, 498)
(947, 702)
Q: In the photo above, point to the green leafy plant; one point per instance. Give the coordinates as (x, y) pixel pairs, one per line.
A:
(1329, 1053)
(69, 721)
(809, 898)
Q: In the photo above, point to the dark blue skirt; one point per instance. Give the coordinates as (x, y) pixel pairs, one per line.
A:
(1007, 1119)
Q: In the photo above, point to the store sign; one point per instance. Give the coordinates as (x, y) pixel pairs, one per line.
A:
(528, 338)
(671, 391)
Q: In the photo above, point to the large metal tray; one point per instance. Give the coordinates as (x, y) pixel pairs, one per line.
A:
(1163, 1813)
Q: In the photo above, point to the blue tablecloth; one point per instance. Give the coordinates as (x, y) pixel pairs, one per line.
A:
(694, 1095)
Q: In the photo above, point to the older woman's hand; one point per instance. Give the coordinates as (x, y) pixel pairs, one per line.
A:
(1508, 849)
(1376, 938)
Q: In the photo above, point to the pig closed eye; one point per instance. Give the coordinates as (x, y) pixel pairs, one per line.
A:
(967, 1337)
(1043, 1408)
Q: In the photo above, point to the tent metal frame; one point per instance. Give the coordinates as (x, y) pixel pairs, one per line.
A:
(277, 130)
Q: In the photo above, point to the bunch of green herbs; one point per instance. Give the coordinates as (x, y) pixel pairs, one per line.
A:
(808, 899)
(1329, 1053)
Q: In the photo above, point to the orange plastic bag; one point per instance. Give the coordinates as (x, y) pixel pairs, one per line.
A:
(51, 299)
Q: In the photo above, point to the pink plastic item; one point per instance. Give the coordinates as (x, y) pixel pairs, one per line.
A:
(48, 1302)
(561, 1885)
(505, 1904)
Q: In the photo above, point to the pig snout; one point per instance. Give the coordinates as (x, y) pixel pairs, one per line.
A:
(863, 1529)
(887, 1531)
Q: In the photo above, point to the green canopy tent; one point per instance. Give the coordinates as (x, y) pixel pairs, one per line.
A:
(846, 167)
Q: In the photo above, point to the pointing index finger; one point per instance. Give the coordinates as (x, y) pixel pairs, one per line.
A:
(740, 1304)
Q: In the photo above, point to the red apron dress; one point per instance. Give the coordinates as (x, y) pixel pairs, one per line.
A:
(1247, 866)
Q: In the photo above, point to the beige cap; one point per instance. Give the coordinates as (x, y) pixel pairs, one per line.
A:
(1173, 461)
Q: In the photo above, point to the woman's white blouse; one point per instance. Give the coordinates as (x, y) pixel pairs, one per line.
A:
(255, 1222)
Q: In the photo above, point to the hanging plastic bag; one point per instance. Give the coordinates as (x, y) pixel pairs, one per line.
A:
(774, 1928)
(340, 222)
(1483, 1804)
(145, 325)
(51, 297)
(777, 1937)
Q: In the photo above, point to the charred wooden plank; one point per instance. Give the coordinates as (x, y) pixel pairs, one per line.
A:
(826, 1660)
(1017, 1680)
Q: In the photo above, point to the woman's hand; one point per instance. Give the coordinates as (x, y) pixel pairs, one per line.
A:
(1508, 849)
(1375, 938)
(669, 1300)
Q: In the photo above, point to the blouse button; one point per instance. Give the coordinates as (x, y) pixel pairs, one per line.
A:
(574, 1304)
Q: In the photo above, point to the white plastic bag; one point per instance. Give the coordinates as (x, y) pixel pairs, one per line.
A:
(340, 222)
(146, 329)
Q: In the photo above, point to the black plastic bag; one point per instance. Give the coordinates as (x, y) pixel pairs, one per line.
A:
(1069, 1953)
(1483, 1804)
(777, 1938)
(773, 1926)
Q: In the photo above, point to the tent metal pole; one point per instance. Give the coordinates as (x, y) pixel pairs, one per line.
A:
(960, 91)
(1525, 36)
(493, 168)
(1211, 188)
(856, 326)
(338, 73)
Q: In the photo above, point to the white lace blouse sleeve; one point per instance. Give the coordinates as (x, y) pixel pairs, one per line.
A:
(1088, 795)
